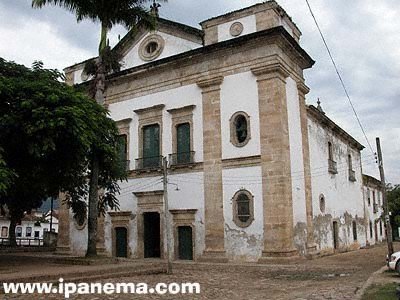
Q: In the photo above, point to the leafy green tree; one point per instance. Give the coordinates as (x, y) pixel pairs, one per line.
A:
(393, 198)
(48, 133)
(108, 13)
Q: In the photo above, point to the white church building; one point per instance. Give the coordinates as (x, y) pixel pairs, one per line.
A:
(253, 171)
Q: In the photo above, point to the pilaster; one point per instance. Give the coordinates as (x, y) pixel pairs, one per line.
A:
(275, 161)
(63, 245)
(212, 153)
(303, 90)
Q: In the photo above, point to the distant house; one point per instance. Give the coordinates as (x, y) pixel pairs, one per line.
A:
(33, 226)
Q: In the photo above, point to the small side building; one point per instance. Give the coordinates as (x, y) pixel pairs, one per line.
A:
(373, 199)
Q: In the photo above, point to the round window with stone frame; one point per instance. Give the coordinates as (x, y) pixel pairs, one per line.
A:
(151, 47)
(243, 208)
(240, 129)
(236, 29)
(322, 204)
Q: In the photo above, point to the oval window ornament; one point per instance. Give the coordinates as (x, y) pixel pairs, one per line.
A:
(236, 29)
(240, 129)
(151, 47)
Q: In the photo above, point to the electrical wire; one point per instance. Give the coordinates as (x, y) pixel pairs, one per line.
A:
(340, 77)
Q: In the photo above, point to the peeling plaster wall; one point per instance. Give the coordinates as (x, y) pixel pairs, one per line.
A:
(343, 198)
(243, 244)
(374, 217)
(78, 237)
(296, 166)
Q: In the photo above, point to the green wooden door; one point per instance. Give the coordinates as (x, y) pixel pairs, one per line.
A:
(183, 143)
(151, 146)
(121, 242)
(185, 241)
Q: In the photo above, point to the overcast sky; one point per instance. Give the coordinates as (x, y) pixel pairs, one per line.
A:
(362, 34)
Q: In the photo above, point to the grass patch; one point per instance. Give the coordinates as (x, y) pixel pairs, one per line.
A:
(381, 292)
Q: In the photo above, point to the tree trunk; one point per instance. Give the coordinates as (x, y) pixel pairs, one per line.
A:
(93, 212)
(93, 207)
(11, 231)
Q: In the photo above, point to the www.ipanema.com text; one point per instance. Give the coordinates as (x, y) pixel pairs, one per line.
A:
(68, 289)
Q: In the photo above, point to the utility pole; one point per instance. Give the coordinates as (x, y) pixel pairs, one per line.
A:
(166, 216)
(389, 236)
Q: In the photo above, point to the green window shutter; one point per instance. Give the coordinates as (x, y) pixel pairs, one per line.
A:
(151, 145)
(183, 143)
(122, 149)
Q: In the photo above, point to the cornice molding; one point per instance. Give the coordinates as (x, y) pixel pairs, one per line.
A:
(210, 83)
(149, 109)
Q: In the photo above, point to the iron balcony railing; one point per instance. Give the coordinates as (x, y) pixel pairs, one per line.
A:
(149, 163)
(182, 158)
(332, 166)
(352, 175)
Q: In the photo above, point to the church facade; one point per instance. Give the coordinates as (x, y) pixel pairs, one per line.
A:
(253, 172)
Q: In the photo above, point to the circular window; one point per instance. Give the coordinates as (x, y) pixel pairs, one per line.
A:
(240, 129)
(243, 208)
(151, 47)
(322, 203)
(236, 29)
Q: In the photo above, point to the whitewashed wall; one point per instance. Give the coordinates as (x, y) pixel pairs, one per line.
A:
(343, 198)
(296, 165)
(372, 217)
(239, 93)
(173, 45)
(249, 26)
(243, 244)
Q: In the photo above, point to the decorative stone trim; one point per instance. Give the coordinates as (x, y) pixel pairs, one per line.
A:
(151, 201)
(232, 121)
(180, 116)
(241, 162)
(236, 29)
(236, 219)
(149, 116)
(183, 217)
(274, 70)
(209, 84)
(120, 219)
(123, 129)
(151, 47)
(80, 226)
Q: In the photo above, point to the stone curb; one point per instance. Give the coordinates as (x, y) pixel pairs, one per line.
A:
(369, 282)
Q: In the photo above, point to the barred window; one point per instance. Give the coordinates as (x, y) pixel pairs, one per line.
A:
(243, 208)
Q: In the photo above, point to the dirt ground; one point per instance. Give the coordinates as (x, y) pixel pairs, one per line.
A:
(332, 277)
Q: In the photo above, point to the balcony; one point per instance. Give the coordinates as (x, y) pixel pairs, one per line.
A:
(332, 166)
(352, 176)
(181, 159)
(148, 163)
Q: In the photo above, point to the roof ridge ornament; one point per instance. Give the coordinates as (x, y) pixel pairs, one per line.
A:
(319, 107)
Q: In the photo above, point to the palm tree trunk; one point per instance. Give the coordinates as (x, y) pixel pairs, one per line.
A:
(93, 207)
(93, 212)
(11, 231)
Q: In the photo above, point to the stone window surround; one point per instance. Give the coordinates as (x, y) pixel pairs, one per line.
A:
(152, 38)
(234, 140)
(152, 201)
(180, 116)
(123, 129)
(235, 207)
(120, 219)
(183, 217)
(149, 116)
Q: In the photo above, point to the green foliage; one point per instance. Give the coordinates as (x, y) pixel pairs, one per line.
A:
(393, 199)
(48, 133)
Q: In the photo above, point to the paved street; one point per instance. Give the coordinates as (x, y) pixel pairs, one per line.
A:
(332, 277)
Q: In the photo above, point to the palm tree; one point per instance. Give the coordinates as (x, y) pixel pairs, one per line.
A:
(108, 13)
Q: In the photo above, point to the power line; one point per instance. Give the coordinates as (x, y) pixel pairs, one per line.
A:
(340, 77)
